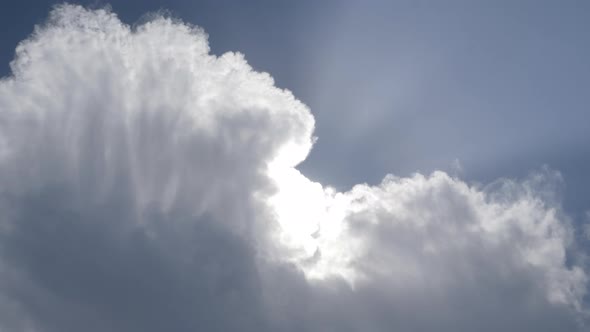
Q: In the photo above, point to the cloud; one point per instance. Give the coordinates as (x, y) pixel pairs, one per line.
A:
(147, 185)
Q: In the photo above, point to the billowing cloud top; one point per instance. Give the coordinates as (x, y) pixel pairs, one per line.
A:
(147, 185)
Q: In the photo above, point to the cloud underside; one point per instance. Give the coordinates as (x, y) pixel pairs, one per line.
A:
(147, 185)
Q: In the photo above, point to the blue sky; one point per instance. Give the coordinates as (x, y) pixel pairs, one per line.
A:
(146, 185)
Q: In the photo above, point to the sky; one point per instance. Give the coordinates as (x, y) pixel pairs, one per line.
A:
(304, 166)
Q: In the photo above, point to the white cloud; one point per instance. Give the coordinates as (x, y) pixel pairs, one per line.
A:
(146, 184)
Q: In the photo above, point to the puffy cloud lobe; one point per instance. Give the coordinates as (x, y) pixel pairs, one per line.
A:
(433, 253)
(415, 228)
(146, 184)
(133, 158)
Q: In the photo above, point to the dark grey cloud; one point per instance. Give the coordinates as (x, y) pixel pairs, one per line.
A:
(147, 185)
(89, 269)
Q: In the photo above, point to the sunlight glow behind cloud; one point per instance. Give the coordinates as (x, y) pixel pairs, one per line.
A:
(146, 184)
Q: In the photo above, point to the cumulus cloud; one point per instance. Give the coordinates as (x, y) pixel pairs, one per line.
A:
(148, 185)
